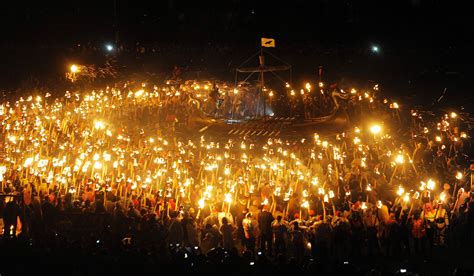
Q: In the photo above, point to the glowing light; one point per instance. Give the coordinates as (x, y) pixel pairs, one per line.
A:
(201, 203)
(28, 162)
(442, 197)
(406, 198)
(74, 68)
(375, 49)
(277, 191)
(96, 157)
(400, 159)
(400, 191)
(251, 189)
(97, 165)
(422, 186)
(305, 204)
(453, 115)
(228, 198)
(430, 185)
(107, 156)
(308, 86)
(139, 93)
(438, 139)
(375, 129)
(109, 47)
(459, 175)
(99, 125)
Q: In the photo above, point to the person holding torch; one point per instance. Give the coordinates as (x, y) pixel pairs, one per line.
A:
(441, 220)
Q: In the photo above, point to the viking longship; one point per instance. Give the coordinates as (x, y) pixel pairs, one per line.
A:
(261, 119)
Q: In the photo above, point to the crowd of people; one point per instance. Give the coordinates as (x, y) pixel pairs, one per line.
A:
(99, 171)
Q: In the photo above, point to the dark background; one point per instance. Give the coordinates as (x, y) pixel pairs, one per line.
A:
(425, 46)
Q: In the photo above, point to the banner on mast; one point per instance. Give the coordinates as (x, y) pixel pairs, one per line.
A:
(268, 42)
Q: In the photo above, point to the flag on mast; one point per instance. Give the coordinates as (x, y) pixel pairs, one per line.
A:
(268, 42)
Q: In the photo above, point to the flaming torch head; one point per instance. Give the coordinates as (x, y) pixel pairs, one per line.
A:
(400, 191)
(400, 159)
(201, 203)
(74, 68)
(375, 129)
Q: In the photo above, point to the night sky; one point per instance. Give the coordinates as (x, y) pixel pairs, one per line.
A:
(418, 39)
(440, 22)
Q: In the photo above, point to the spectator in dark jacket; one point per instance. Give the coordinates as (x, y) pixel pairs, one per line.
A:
(265, 219)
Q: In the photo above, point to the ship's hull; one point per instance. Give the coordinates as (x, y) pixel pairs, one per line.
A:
(272, 127)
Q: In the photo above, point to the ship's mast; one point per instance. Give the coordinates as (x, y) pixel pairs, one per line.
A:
(262, 81)
(261, 69)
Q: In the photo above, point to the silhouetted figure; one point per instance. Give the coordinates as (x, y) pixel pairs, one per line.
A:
(279, 230)
(10, 217)
(265, 219)
(49, 214)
